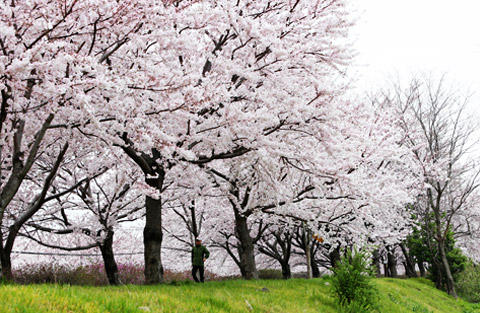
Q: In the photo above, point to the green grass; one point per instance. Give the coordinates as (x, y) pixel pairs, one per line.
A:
(296, 295)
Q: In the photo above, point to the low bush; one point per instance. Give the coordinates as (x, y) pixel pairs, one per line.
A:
(60, 274)
(352, 283)
(468, 283)
(270, 274)
(93, 275)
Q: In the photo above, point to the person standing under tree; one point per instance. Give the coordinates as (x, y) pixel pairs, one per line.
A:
(199, 255)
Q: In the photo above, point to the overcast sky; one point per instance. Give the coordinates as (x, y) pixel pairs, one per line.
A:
(411, 35)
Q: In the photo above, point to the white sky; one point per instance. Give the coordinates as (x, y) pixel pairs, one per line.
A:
(408, 36)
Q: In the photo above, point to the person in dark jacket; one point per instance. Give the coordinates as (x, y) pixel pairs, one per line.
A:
(199, 255)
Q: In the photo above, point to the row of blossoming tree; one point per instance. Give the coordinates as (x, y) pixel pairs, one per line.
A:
(236, 113)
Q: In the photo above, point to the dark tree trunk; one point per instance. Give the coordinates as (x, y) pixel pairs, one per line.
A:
(440, 238)
(6, 258)
(1, 253)
(6, 265)
(450, 283)
(195, 230)
(6, 250)
(152, 240)
(109, 262)
(315, 269)
(246, 251)
(334, 256)
(438, 268)
(409, 264)
(386, 271)
(376, 262)
(152, 233)
(392, 263)
(280, 250)
(421, 267)
(286, 272)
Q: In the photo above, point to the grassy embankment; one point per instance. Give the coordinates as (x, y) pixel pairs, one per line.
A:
(296, 295)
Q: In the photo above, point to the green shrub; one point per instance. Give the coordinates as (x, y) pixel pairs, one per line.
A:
(455, 259)
(468, 283)
(423, 248)
(352, 283)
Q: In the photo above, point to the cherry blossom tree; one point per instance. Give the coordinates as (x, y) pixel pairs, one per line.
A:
(250, 93)
(13, 217)
(227, 96)
(307, 245)
(277, 244)
(36, 90)
(89, 215)
(435, 117)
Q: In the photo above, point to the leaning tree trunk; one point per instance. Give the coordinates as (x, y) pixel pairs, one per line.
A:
(450, 283)
(6, 263)
(246, 250)
(438, 268)
(313, 263)
(6, 250)
(409, 264)
(6, 253)
(111, 268)
(315, 269)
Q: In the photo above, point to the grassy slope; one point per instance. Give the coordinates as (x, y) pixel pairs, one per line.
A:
(297, 295)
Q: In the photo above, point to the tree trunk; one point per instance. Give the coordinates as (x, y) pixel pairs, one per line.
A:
(152, 240)
(152, 233)
(6, 262)
(386, 271)
(315, 269)
(109, 262)
(308, 254)
(421, 267)
(246, 250)
(334, 256)
(1, 253)
(450, 283)
(195, 230)
(6, 251)
(438, 268)
(409, 264)
(376, 262)
(286, 272)
(392, 263)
